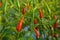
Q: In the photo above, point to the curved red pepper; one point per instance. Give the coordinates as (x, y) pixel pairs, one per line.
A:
(36, 32)
(19, 25)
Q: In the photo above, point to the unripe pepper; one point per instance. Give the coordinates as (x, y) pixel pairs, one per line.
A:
(23, 10)
(36, 32)
(55, 17)
(56, 24)
(35, 21)
(19, 25)
(40, 14)
(0, 4)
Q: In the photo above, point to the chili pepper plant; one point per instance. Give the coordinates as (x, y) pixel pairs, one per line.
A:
(29, 19)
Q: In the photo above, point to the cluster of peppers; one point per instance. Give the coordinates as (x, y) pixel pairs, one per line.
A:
(19, 25)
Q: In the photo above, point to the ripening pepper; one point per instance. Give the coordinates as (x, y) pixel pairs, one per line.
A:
(55, 17)
(35, 21)
(23, 10)
(40, 14)
(19, 25)
(56, 25)
(0, 4)
(36, 32)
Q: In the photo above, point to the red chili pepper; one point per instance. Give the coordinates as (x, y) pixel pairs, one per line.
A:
(55, 17)
(36, 32)
(55, 25)
(36, 27)
(23, 10)
(0, 4)
(40, 12)
(35, 21)
(19, 25)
